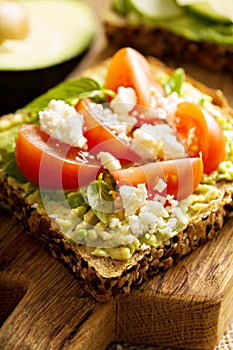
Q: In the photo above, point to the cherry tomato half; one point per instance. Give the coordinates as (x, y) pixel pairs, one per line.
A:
(182, 176)
(129, 68)
(101, 138)
(51, 164)
(200, 132)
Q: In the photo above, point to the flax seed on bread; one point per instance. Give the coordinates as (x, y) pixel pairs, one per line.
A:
(104, 277)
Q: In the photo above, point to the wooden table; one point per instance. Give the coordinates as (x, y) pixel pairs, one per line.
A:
(42, 305)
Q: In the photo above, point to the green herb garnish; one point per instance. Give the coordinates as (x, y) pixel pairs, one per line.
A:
(175, 82)
(100, 199)
(70, 91)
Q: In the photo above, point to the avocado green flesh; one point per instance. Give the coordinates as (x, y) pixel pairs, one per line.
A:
(187, 24)
(203, 8)
(161, 9)
(59, 31)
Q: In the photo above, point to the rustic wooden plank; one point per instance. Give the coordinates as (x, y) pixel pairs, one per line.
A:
(190, 305)
(53, 310)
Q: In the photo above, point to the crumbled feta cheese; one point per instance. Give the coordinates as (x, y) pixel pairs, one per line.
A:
(146, 145)
(119, 124)
(157, 221)
(136, 226)
(177, 212)
(124, 101)
(168, 104)
(124, 138)
(133, 198)
(144, 246)
(172, 202)
(62, 122)
(172, 222)
(156, 208)
(157, 141)
(159, 198)
(160, 186)
(115, 223)
(108, 161)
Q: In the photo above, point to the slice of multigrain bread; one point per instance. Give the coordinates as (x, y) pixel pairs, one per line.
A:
(164, 43)
(105, 278)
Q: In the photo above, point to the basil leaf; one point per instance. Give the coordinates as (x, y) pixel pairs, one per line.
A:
(69, 90)
(175, 82)
(100, 199)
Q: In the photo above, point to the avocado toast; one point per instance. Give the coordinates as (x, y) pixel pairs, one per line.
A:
(180, 30)
(111, 233)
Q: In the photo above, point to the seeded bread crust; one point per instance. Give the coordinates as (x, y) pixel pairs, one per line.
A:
(167, 45)
(105, 278)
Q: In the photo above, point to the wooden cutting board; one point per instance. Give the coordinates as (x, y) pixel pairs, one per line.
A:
(43, 306)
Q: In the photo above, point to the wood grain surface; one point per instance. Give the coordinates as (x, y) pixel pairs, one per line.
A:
(43, 306)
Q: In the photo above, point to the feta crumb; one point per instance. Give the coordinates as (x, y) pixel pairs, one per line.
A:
(146, 145)
(168, 104)
(160, 186)
(136, 226)
(154, 207)
(133, 198)
(159, 198)
(144, 246)
(119, 124)
(177, 212)
(124, 101)
(62, 122)
(171, 224)
(115, 223)
(108, 161)
(157, 141)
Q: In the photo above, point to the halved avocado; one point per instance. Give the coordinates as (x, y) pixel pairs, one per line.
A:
(59, 33)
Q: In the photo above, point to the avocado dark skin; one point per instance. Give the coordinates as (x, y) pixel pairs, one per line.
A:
(17, 88)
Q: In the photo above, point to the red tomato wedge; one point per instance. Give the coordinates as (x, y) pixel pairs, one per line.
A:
(182, 176)
(200, 132)
(51, 164)
(101, 138)
(217, 144)
(191, 125)
(129, 68)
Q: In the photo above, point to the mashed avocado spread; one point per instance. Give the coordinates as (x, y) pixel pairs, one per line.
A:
(78, 214)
